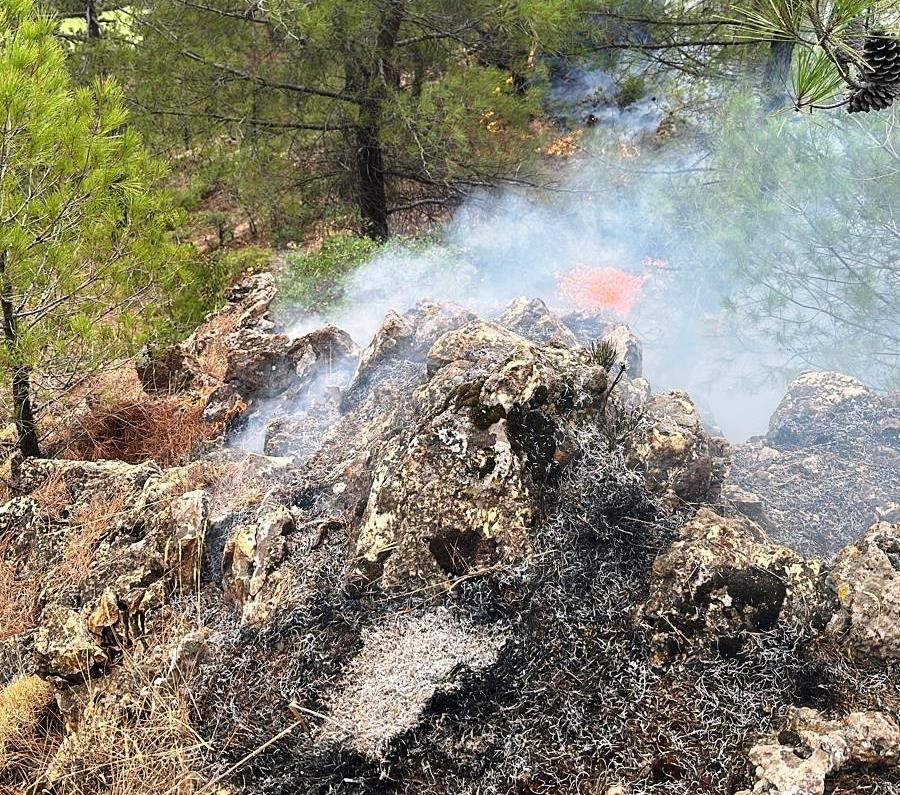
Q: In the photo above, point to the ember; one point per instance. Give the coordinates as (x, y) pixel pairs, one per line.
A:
(601, 288)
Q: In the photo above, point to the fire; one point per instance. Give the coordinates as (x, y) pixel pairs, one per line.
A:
(596, 289)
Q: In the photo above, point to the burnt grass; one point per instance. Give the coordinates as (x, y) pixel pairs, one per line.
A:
(571, 706)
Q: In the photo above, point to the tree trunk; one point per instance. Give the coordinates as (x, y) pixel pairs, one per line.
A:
(372, 196)
(778, 72)
(23, 411)
(29, 446)
(371, 80)
(93, 23)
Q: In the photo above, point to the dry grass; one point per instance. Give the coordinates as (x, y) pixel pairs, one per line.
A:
(18, 597)
(53, 497)
(127, 747)
(167, 431)
(88, 523)
(23, 703)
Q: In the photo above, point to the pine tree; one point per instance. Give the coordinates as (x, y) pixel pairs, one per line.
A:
(83, 241)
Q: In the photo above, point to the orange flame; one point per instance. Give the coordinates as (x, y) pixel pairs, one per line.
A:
(595, 289)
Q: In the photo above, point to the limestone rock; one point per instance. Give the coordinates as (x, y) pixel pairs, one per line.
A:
(680, 461)
(252, 553)
(587, 326)
(456, 491)
(815, 408)
(826, 469)
(866, 575)
(722, 580)
(403, 340)
(628, 349)
(532, 320)
(812, 749)
(64, 646)
(190, 521)
(126, 537)
(265, 365)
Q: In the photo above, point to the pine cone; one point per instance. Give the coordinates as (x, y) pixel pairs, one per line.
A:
(871, 97)
(880, 81)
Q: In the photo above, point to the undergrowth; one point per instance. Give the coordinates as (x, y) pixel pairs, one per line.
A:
(167, 431)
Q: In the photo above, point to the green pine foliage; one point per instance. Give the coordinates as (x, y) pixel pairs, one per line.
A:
(796, 223)
(85, 253)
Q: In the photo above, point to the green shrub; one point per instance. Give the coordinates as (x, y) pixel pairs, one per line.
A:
(199, 286)
(315, 279)
(631, 89)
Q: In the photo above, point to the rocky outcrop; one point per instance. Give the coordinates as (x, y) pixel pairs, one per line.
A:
(458, 491)
(811, 749)
(866, 577)
(722, 580)
(479, 562)
(828, 466)
(532, 320)
(235, 360)
(107, 543)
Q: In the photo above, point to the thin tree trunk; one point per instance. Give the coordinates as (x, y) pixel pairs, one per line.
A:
(372, 198)
(93, 22)
(778, 72)
(23, 412)
(373, 81)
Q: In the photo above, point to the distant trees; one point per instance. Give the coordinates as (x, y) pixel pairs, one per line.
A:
(84, 251)
(393, 107)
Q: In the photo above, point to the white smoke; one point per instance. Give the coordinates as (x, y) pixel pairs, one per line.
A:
(603, 212)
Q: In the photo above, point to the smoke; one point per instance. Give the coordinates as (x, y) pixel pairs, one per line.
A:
(619, 205)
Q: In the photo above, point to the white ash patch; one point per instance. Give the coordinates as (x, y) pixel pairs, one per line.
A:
(401, 666)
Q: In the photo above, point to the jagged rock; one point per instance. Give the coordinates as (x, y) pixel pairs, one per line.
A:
(401, 666)
(587, 327)
(457, 491)
(721, 580)
(185, 366)
(251, 555)
(679, 460)
(64, 646)
(124, 537)
(403, 339)
(866, 575)
(223, 402)
(264, 365)
(747, 504)
(190, 521)
(811, 749)
(532, 320)
(826, 468)
(628, 349)
(816, 408)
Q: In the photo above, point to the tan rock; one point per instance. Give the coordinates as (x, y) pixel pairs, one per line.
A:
(721, 580)
(866, 576)
(819, 748)
(680, 461)
(64, 646)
